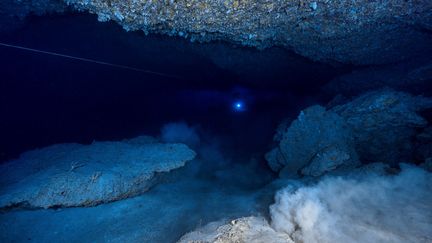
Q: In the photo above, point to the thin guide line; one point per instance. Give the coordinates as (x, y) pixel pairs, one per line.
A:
(89, 60)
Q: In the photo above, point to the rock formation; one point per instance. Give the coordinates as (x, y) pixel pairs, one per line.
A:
(357, 32)
(387, 121)
(318, 141)
(247, 229)
(70, 175)
(360, 32)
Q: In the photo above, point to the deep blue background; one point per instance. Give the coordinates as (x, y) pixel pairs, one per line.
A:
(46, 99)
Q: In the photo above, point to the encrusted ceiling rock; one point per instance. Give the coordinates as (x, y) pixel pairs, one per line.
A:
(357, 32)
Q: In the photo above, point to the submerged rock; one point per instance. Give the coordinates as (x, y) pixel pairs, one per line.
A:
(331, 159)
(318, 141)
(329, 31)
(358, 32)
(384, 124)
(70, 175)
(248, 229)
(379, 126)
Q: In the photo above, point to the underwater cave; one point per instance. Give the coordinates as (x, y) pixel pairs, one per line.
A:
(215, 121)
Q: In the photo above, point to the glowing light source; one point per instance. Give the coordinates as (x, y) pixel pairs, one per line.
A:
(238, 106)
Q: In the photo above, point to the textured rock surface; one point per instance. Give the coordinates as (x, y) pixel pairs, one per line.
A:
(384, 124)
(380, 126)
(249, 229)
(360, 32)
(318, 140)
(70, 175)
(329, 160)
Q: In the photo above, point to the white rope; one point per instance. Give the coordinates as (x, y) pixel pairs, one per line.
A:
(90, 60)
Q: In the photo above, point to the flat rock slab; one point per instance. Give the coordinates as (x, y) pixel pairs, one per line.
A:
(71, 175)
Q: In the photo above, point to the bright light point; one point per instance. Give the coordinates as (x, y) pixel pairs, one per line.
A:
(238, 106)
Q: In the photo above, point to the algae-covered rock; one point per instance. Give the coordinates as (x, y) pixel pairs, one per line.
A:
(69, 175)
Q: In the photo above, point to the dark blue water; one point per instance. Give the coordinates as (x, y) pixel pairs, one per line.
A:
(46, 99)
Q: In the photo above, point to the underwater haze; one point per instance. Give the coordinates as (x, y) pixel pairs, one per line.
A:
(215, 122)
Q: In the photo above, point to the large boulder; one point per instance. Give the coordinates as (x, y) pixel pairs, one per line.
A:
(385, 124)
(70, 175)
(380, 126)
(316, 142)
